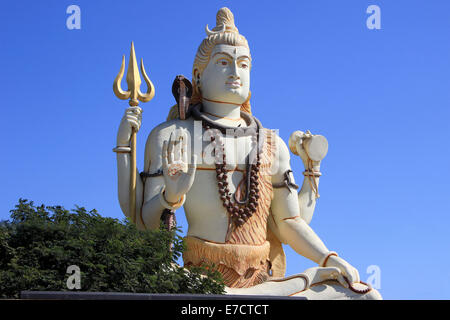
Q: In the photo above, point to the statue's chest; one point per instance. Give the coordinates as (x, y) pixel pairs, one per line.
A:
(243, 218)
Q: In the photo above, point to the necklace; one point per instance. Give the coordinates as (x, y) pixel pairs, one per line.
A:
(239, 209)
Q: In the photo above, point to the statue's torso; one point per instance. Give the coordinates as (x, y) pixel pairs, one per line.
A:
(207, 218)
(241, 253)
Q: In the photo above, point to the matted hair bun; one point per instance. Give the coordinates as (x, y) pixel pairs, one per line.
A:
(224, 22)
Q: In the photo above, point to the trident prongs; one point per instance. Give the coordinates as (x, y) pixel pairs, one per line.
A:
(134, 82)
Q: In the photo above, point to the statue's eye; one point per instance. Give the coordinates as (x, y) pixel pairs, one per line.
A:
(222, 62)
(243, 64)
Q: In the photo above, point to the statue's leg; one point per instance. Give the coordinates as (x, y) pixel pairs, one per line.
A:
(332, 290)
(293, 286)
(281, 287)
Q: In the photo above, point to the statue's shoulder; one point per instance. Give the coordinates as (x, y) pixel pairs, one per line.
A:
(163, 130)
(283, 154)
(275, 141)
(276, 148)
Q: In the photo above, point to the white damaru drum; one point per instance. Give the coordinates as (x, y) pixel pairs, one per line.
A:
(316, 146)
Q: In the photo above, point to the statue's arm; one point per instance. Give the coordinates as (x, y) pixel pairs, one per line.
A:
(148, 206)
(290, 227)
(310, 187)
(152, 207)
(293, 230)
(307, 197)
(166, 160)
(131, 119)
(123, 181)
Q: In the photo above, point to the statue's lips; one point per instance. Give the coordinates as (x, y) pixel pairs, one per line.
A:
(234, 84)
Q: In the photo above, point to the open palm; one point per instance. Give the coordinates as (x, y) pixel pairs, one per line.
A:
(178, 173)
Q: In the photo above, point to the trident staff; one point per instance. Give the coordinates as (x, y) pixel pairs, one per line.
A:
(135, 95)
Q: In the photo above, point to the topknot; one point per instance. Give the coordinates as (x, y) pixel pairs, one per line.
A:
(224, 22)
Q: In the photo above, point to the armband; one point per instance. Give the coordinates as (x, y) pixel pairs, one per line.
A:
(286, 183)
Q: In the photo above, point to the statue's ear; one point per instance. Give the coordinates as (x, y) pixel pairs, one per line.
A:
(196, 77)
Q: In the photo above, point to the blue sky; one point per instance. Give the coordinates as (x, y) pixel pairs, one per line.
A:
(381, 97)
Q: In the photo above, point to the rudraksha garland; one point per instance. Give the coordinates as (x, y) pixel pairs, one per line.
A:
(239, 210)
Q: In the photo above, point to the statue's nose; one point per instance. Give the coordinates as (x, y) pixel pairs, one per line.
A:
(234, 71)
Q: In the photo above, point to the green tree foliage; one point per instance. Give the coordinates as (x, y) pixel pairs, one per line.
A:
(38, 243)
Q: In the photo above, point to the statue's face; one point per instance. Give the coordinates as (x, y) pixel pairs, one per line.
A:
(226, 78)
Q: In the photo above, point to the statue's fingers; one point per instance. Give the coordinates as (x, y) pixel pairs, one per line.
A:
(133, 115)
(350, 274)
(135, 110)
(329, 273)
(342, 281)
(179, 145)
(170, 148)
(174, 143)
(184, 146)
(164, 157)
(354, 277)
(357, 275)
(184, 153)
(133, 123)
(133, 118)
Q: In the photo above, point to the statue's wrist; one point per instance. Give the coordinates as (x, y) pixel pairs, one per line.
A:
(315, 165)
(171, 199)
(166, 203)
(312, 173)
(122, 143)
(324, 260)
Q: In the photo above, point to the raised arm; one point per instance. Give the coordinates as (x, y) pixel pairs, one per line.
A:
(292, 229)
(170, 175)
(131, 119)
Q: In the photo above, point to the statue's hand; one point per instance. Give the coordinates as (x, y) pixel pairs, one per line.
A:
(346, 269)
(296, 145)
(319, 274)
(178, 173)
(131, 119)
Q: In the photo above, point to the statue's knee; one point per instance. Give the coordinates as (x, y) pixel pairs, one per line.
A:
(373, 295)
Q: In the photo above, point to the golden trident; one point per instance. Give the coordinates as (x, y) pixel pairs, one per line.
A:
(135, 95)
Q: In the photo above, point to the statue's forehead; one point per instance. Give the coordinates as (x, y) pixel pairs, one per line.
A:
(234, 51)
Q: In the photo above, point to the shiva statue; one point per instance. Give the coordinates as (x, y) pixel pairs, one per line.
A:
(233, 177)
